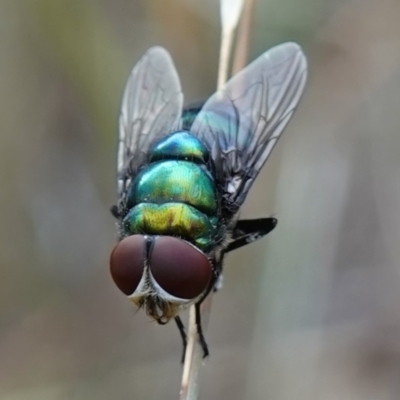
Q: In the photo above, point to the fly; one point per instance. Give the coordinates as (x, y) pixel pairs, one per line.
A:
(183, 174)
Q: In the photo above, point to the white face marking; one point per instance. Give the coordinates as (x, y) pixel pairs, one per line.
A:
(166, 296)
(148, 286)
(141, 290)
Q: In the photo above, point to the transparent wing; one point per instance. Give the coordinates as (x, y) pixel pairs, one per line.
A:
(151, 108)
(242, 122)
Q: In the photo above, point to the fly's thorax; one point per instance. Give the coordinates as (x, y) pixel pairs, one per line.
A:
(180, 145)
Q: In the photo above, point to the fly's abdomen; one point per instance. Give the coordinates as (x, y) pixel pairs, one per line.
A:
(175, 194)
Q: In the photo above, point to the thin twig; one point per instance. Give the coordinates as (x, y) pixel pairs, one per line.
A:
(194, 353)
(230, 13)
(241, 54)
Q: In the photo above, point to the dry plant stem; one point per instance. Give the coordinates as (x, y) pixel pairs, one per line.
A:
(194, 353)
(226, 44)
(242, 44)
(231, 11)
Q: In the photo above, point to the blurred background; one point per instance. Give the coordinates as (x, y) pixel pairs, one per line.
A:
(310, 312)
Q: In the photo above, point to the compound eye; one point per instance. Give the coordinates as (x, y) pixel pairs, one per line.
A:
(127, 263)
(179, 268)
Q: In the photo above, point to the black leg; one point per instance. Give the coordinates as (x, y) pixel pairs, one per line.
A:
(249, 230)
(202, 340)
(181, 328)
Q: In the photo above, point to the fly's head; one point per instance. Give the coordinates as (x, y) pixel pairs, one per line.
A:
(161, 274)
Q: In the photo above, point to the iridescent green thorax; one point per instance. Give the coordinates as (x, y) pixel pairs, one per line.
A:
(175, 193)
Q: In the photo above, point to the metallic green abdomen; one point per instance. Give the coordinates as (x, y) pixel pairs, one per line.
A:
(175, 194)
(174, 181)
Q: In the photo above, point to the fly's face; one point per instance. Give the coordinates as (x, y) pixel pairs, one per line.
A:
(162, 274)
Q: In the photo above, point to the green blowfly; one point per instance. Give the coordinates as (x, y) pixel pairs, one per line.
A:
(183, 174)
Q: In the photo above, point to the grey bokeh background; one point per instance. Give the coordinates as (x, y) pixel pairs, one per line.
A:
(311, 312)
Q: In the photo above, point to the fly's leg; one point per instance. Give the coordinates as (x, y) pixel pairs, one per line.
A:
(181, 328)
(217, 267)
(202, 340)
(248, 231)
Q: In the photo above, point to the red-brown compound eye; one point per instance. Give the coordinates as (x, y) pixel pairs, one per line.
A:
(127, 263)
(179, 268)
